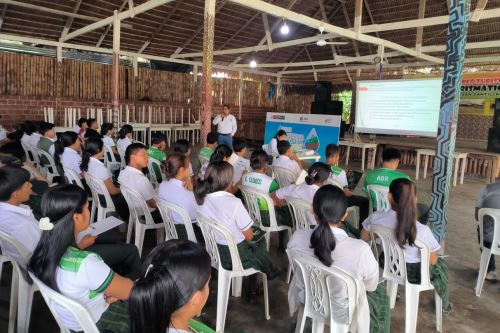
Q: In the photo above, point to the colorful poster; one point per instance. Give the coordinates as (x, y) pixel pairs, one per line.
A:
(305, 131)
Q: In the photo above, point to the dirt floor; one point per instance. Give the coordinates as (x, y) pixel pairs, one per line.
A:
(470, 313)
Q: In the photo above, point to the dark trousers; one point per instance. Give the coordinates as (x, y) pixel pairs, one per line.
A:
(363, 203)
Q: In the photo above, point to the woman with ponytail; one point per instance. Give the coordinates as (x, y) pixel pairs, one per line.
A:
(67, 151)
(331, 245)
(173, 289)
(402, 218)
(124, 137)
(59, 262)
(216, 202)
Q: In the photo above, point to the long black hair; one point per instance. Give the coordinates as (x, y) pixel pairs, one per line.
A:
(92, 146)
(59, 204)
(66, 139)
(171, 274)
(126, 129)
(317, 173)
(105, 128)
(280, 133)
(404, 193)
(218, 177)
(221, 152)
(329, 205)
(173, 163)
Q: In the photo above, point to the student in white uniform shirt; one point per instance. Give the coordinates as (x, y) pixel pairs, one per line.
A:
(132, 177)
(331, 245)
(167, 265)
(226, 126)
(220, 154)
(80, 275)
(34, 135)
(124, 137)
(91, 163)
(222, 206)
(240, 164)
(178, 189)
(183, 146)
(81, 126)
(402, 218)
(287, 158)
(67, 151)
(272, 148)
(107, 132)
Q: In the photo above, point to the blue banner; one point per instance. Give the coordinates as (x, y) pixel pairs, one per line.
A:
(310, 131)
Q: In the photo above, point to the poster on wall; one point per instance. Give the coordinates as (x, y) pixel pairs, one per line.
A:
(305, 131)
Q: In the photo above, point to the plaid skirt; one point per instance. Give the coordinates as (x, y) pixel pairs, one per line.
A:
(283, 216)
(439, 277)
(380, 310)
(252, 254)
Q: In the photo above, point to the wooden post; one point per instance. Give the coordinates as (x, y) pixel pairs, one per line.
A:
(448, 116)
(278, 93)
(115, 76)
(240, 96)
(208, 56)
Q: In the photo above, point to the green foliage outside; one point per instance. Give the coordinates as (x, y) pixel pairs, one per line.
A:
(346, 97)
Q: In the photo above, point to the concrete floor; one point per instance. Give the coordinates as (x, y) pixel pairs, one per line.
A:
(470, 314)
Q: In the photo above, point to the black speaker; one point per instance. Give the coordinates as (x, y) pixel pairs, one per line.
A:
(333, 108)
(496, 116)
(323, 91)
(494, 140)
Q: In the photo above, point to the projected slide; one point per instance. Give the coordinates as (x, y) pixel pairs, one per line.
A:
(400, 107)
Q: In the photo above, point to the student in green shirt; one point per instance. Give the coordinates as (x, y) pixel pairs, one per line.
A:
(207, 151)
(157, 151)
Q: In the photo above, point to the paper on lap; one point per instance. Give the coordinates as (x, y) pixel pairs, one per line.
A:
(99, 227)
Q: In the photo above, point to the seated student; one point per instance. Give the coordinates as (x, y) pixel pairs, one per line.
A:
(46, 141)
(92, 164)
(157, 152)
(332, 153)
(132, 177)
(240, 164)
(107, 132)
(272, 148)
(158, 303)
(124, 137)
(178, 189)
(3, 135)
(81, 126)
(67, 151)
(386, 174)
(31, 135)
(91, 131)
(222, 206)
(80, 275)
(488, 197)
(207, 151)
(402, 218)
(331, 245)
(183, 146)
(287, 158)
(221, 153)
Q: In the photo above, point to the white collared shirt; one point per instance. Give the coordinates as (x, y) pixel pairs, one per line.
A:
(174, 192)
(26, 139)
(123, 143)
(108, 141)
(76, 129)
(272, 148)
(389, 219)
(33, 139)
(229, 211)
(352, 255)
(19, 222)
(97, 169)
(226, 125)
(303, 191)
(3, 133)
(285, 162)
(71, 159)
(136, 180)
(240, 166)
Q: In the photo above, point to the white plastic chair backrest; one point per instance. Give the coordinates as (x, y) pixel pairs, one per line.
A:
(47, 159)
(283, 176)
(394, 258)
(16, 251)
(121, 152)
(167, 211)
(73, 178)
(137, 205)
(301, 212)
(319, 280)
(152, 173)
(251, 197)
(55, 300)
(265, 147)
(495, 215)
(97, 187)
(209, 227)
(109, 156)
(203, 159)
(382, 202)
(28, 152)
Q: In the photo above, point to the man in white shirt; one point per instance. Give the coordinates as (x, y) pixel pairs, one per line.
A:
(226, 126)
(132, 177)
(287, 158)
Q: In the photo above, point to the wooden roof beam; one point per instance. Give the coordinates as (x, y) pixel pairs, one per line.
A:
(358, 15)
(70, 19)
(420, 30)
(109, 20)
(2, 14)
(268, 33)
(108, 28)
(476, 14)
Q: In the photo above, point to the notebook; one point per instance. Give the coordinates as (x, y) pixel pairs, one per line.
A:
(353, 178)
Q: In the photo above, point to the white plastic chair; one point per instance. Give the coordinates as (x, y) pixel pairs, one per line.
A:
(121, 152)
(283, 176)
(21, 294)
(140, 218)
(98, 188)
(209, 227)
(301, 212)
(167, 211)
(495, 244)
(73, 178)
(49, 168)
(380, 192)
(56, 301)
(31, 157)
(318, 281)
(395, 274)
(152, 173)
(110, 160)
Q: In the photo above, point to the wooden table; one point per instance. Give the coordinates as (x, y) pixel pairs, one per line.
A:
(363, 146)
(457, 156)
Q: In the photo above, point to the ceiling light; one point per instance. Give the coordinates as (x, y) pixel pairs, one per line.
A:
(284, 28)
(253, 64)
(321, 42)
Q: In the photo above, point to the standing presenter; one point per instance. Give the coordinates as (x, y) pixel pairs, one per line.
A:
(226, 126)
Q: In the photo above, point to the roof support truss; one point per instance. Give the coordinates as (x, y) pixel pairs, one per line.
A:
(476, 14)
(268, 33)
(2, 14)
(70, 19)
(108, 28)
(420, 30)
